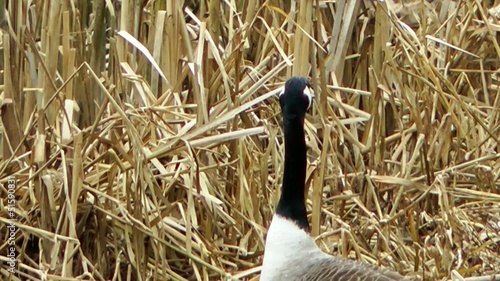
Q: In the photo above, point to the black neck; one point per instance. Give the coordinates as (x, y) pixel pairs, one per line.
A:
(292, 202)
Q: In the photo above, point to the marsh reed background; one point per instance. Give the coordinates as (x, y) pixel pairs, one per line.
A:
(145, 140)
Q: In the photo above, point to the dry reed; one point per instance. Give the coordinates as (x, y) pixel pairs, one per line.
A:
(144, 136)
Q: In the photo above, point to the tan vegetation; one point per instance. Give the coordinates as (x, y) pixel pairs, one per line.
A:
(145, 140)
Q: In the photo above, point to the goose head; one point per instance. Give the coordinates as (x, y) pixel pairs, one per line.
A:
(296, 98)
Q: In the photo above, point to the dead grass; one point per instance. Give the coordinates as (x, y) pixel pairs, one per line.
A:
(146, 144)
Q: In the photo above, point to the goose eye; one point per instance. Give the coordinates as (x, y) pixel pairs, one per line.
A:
(309, 95)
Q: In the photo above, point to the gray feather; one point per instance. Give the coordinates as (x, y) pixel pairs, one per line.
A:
(339, 269)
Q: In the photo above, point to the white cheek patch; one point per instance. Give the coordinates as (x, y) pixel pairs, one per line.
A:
(281, 92)
(309, 95)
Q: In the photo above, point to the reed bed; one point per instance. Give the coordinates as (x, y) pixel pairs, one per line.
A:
(141, 140)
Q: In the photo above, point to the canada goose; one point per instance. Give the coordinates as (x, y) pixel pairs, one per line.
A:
(291, 253)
